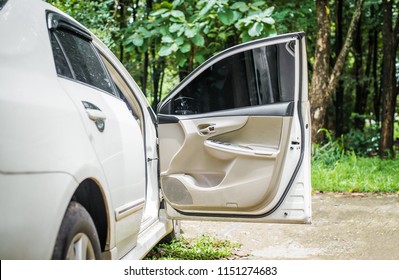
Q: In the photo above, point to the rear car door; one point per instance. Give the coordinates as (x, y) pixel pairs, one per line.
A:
(113, 131)
(234, 136)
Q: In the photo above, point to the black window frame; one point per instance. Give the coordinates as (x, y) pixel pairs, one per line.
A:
(56, 22)
(2, 4)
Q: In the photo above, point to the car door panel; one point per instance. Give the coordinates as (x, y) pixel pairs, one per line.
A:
(237, 159)
(118, 149)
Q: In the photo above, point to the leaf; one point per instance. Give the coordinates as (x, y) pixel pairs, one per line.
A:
(167, 39)
(177, 14)
(199, 58)
(190, 32)
(238, 5)
(268, 20)
(177, 3)
(158, 12)
(198, 40)
(182, 61)
(144, 32)
(242, 6)
(165, 15)
(226, 17)
(174, 47)
(268, 12)
(258, 3)
(245, 37)
(137, 40)
(269, 30)
(206, 9)
(166, 5)
(175, 27)
(237, 15)
(179, 40)
(222, 36)
(164, 30)
(255, 30)
(167, 50)
(185, 48)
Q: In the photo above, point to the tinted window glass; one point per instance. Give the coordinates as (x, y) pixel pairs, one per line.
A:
(2, 3)
(84, 62)
(260, 76)
(60, 62)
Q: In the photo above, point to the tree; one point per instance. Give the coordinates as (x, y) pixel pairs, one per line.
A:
(390, 40)
(339, 91)
(323, 84)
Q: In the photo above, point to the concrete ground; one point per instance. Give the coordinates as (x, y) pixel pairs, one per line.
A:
(345, 227)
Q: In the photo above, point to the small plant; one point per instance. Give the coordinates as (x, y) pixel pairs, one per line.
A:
(204, 247)
(329, 152)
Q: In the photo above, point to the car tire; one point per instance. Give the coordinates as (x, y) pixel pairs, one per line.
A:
(77, 237)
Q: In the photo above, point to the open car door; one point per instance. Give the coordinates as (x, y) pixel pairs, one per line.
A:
(234, 136)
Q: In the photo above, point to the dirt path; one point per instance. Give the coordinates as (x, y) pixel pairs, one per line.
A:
(344, 226)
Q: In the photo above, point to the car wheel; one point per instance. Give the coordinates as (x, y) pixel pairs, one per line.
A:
(77, 238)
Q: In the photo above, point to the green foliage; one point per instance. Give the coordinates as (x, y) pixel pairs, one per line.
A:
(191, 31)
(361, 143)
(356, 174)
(329, 152)
(341, 165)
(364, 143)
(204, 247)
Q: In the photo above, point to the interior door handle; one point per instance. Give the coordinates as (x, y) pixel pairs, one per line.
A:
(205, 129)
(95, 114)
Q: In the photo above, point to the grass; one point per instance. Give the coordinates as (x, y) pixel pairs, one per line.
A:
(204, 247)
(350, 173)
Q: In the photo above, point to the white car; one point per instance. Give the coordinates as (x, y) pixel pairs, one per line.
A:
(88, 171)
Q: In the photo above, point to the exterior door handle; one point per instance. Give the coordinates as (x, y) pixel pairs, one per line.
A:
(95, 114)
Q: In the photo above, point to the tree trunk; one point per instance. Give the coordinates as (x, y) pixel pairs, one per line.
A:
(324, 85)
(376, 88)
(318, 92)
(339, 91)
(339, 64)
(388, 80)
(361, 93)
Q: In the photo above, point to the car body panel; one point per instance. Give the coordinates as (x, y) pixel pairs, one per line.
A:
(29, 219)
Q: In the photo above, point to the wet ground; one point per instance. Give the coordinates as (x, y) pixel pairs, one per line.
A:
(345, 227)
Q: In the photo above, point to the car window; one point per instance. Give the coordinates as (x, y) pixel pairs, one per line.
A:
(61, 63)
(259, 76)
(83, 60)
